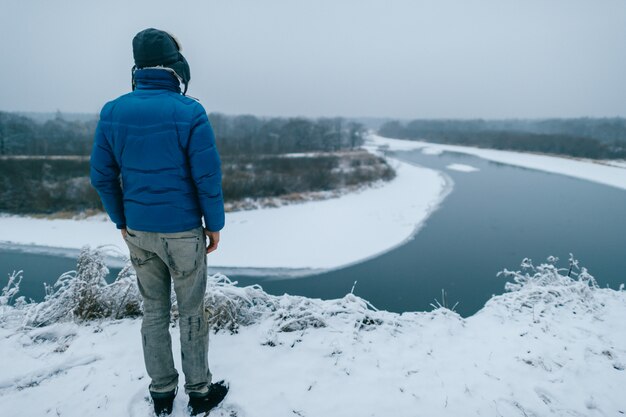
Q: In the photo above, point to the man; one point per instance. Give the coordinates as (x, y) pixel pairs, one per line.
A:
(156, 168)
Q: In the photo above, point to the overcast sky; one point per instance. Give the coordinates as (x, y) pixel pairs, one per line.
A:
(387, 58)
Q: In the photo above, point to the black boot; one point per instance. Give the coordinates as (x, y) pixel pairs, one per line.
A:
(203, 403)
(163, 402)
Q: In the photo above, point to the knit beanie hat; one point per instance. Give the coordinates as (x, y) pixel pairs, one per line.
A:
(153, 47)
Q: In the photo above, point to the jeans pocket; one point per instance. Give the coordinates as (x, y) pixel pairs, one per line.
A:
(183, 253)
(138, 256)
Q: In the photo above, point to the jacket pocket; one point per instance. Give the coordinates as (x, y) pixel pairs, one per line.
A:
(183, 253)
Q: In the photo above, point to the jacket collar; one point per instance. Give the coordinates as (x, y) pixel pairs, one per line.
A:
(156, 79)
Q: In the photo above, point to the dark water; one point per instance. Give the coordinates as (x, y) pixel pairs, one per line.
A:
(37, 269)
(491, 220)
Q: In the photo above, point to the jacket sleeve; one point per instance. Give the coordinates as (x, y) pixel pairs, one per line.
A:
(206, 171)
(105, 177)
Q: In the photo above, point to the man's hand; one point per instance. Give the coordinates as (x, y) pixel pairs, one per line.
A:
(214, 240)
(124, 232)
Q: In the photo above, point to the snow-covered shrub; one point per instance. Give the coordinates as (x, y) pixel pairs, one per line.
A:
(84, 294)
(298, 313)
(547, 286)
(11, 289)
(123, 294)
(12, 311)
(229, 306)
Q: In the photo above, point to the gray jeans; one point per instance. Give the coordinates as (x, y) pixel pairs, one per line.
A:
(182, 256)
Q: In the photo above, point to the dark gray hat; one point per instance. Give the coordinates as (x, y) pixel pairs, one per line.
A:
(153, 47)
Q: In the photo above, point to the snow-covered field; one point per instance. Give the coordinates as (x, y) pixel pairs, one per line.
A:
(602, 172)
(552, 347)
(318, 234)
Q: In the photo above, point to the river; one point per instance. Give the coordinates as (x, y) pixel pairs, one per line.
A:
(492, 219)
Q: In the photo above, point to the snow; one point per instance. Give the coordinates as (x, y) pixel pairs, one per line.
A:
(432, 151)
(616, 163)
(462, 168)
(612, 174)
(319, 234)
(300, 155)
(551, 348)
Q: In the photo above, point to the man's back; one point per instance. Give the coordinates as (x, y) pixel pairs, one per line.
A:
(156, 168)
(162, 144)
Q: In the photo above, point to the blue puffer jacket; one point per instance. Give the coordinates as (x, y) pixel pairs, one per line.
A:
(162, 144)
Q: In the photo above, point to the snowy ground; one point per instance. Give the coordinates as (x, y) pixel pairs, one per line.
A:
(603, 172)
(554, 347)
(318, 234)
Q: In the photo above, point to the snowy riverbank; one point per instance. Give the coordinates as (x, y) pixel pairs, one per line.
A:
(554, 346)
(612, 173)
(317, 234)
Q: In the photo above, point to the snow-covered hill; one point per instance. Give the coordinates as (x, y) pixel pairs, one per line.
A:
(551, 346)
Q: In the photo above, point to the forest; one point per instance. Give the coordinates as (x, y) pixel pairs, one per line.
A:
(44, 164)
(235, 135)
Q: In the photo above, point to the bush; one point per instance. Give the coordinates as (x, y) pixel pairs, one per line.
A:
(84, 295)
(545, 287)
(262, 176)
(46, 186)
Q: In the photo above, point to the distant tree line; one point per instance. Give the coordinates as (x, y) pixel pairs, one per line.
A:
(253, 135)
(20, 135)
(583, 137)
(254, 152)
(47, 185)
(247, 176)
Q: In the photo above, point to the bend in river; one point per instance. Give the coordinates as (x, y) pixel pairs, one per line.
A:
(493, 218)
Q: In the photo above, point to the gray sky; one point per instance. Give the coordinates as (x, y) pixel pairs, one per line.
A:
(388, 58)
